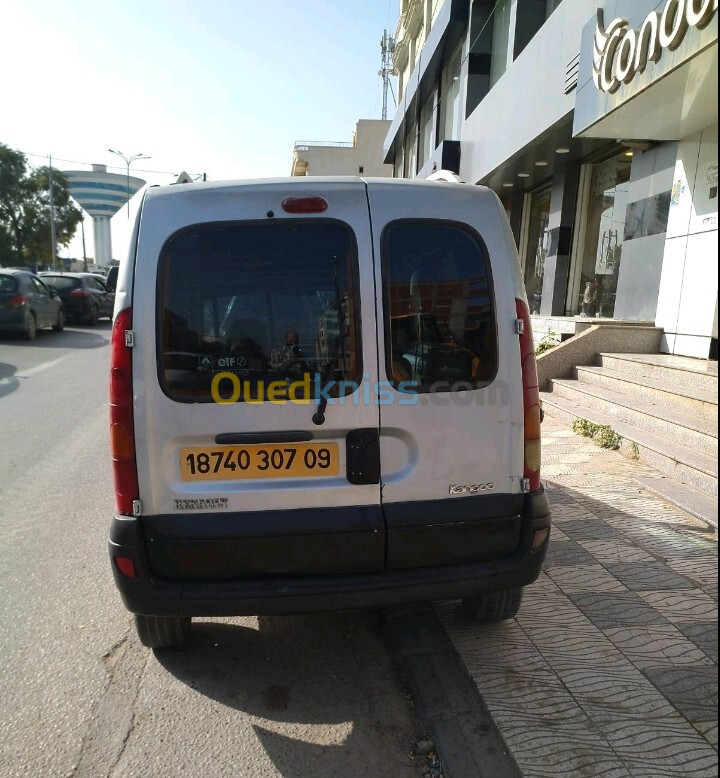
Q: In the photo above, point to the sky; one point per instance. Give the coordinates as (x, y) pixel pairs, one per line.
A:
(221, 87)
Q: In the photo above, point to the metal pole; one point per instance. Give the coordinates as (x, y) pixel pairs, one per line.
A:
(53, 240)
(82, 229)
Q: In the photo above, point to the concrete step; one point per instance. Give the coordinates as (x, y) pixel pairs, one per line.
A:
(660, 418)
(688, 399)
(702, 506)
(687, 465)
(682, 371)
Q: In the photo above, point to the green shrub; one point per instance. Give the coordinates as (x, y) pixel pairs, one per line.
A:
(548, 341)
(603, 434)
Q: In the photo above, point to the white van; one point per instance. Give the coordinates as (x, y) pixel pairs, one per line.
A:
(323, 396)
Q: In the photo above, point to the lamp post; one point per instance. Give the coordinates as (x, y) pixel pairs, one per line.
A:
(128, 161)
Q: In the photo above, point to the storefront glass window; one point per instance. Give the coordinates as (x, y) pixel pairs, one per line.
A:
(604, 232)
(426, 121)
(411, 145)
(537, 247)
(500, 40)
(450, 98)
(399, 156)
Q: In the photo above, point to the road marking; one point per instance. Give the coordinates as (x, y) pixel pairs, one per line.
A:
(38, 368)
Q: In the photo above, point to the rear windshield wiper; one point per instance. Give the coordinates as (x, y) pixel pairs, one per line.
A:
(319, 415)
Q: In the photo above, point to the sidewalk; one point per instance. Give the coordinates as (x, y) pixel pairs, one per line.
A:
(610, 668)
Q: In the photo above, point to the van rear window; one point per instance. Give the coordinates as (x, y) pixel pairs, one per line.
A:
(267, 302)
(440, 331)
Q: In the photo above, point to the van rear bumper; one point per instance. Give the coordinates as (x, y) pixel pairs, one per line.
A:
(154, 596)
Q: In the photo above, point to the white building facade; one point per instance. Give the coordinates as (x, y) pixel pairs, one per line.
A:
(596, 123)
(363, 156)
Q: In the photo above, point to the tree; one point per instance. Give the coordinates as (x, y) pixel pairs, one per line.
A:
(25, 210)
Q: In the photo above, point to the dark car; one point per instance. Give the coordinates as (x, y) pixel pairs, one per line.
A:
(27, 304)
(85, 296)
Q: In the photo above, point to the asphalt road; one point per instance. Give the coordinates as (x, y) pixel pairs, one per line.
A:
(300, 696)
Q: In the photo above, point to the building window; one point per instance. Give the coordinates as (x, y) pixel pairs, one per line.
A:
(398, 169)
(426, 126)
(538, 244)
(500, 40)
(450, 98)
(411, 144)
(551, 6)
(604, 228)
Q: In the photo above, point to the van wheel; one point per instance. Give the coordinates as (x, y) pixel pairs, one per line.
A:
(163, 631)
(494, 606)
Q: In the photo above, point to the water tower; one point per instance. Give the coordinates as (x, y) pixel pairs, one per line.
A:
(102, 195)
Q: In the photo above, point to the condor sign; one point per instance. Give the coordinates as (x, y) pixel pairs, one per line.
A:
(648, 70)
(620, 51)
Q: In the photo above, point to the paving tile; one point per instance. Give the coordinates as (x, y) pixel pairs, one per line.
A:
(575, 646)
(700, 568)
(609, 551)
(555, 610)
(606, 692)
(557, 534)
(591, 529)
(585, 578)
(661, 746)
(540, 696)
(567, 552)
(682, 606)
(649, 576)
(545, 751)
(709, 730)
(704, 634)
(615, 610)
(693, 690)
(656, 646)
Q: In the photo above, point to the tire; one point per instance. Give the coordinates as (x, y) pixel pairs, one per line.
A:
(30, 327)
(94, 316)
(59, 325)
(494, 606)
(163, 631)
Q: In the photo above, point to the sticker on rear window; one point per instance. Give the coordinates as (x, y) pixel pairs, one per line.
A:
(201, 504)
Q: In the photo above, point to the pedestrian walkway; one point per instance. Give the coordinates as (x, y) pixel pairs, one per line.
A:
(610, 668)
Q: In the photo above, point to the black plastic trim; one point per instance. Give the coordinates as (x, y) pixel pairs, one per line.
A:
(453, 509)
(292, 436)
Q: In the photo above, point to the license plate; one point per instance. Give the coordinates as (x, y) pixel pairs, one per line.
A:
(223, 463)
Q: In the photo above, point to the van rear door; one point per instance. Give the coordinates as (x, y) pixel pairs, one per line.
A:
(250, 305)
(451, 426)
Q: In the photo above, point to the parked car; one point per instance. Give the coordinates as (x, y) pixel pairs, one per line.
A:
(230, 501)
(85, 296)
(27, 304)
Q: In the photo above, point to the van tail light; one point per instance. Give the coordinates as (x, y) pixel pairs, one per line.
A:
(304, 204)
(531, 397)
(122, 436)
(17, 301)
(126, 566)
(80, 293)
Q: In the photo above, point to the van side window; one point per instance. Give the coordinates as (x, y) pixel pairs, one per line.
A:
(440, 331)
(272, 303)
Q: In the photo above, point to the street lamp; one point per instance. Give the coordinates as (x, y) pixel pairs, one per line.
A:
(128, 161)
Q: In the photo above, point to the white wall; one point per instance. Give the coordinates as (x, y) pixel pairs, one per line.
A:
(529, 97)
(687, 303)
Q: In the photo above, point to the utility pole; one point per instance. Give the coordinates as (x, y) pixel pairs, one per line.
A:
(82, 227)
(53, 238)
(387, 49)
